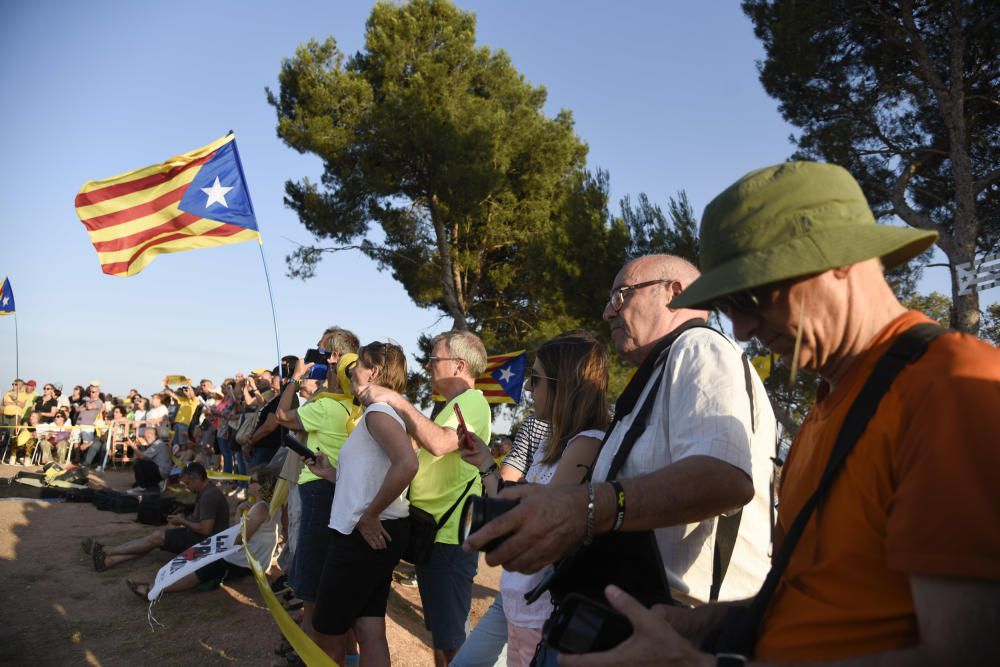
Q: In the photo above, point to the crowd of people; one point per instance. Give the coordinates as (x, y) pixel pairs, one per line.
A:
(885, 530)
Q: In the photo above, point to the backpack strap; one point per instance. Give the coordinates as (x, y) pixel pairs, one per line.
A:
(739, 632)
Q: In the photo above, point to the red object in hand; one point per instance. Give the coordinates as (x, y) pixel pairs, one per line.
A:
(467, 440)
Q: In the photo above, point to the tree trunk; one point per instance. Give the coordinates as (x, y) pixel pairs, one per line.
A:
(447, 267)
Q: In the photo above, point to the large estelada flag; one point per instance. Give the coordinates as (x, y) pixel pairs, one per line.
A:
(503, 380)
(196, 200)
(6, 298)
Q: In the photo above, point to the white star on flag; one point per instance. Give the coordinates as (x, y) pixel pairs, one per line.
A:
(506, 374)
(6, 300)
(216, 194)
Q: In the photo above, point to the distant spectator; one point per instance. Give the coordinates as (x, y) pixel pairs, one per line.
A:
(46, 404)
(152, 462)
(90, 408)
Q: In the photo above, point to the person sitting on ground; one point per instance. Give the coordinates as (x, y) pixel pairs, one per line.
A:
(152, 462)
(210, 516)
(262, 536)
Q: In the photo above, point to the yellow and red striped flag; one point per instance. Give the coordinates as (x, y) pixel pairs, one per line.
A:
(196, 200)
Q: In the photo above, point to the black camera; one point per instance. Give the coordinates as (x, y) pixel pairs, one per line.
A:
(316, 356)
(582, 625)
(479, 511)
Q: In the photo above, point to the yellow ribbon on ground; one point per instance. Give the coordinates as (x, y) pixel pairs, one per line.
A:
(212, 474)
(306, 648)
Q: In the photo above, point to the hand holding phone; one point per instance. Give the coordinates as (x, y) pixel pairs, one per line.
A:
(465, 438)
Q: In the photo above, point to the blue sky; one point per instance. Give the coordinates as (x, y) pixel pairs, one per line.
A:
(665, 94)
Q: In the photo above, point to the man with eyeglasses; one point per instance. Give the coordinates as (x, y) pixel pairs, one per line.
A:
(703, 451)
(899, 560)
(444, 480)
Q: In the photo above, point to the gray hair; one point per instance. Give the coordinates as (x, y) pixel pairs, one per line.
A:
(466, 346)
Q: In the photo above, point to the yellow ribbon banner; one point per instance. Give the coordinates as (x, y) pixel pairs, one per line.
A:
(307, 649)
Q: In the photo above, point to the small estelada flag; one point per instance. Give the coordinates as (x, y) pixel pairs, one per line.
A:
(196, 200)
(503, 379)
(6, 298)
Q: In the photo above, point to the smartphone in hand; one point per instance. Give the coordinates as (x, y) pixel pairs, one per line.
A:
(467, 441)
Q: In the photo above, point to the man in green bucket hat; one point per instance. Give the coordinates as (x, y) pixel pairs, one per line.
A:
(897, 559)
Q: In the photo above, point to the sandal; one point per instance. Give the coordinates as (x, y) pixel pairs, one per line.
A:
(140, 588)
(98, 557)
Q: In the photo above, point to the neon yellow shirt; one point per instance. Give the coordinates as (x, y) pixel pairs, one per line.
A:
(442, 479)
(325, 419)
(185, 410)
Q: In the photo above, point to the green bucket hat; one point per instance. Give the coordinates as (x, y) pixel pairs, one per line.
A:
(791, 220)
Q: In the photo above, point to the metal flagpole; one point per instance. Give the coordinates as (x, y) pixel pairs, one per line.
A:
(260, 245)
(17, 351)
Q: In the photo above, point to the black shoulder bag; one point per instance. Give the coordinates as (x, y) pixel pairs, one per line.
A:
(424, 529)
(734, 644)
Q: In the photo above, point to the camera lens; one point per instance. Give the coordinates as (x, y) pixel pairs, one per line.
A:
(480, 510)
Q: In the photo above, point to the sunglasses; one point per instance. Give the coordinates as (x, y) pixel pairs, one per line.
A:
(743, 303)
(534, 379)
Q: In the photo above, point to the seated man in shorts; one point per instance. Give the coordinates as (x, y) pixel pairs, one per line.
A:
(210, 516)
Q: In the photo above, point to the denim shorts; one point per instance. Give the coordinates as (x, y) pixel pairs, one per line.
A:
(445, 584)
(315, 500)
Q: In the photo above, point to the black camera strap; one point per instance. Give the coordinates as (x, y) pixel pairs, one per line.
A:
(740, 628)
(727, 527)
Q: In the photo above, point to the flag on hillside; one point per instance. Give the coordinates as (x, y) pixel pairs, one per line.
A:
(6, 298)
(504, 377)
(196, 200)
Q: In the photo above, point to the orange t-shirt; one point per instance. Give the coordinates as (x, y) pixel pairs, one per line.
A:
(917, 495)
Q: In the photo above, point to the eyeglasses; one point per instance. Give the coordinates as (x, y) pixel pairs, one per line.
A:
(617, 299)
(534, 379)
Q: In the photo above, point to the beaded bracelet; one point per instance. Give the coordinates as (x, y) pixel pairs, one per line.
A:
(589, 538)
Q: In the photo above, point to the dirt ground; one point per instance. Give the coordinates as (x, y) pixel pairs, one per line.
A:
(56, 610)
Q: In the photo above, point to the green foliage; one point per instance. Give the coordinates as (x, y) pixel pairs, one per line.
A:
(902, 93)
(485, 208)
(652, 232)
(991, 324)
(935, 305)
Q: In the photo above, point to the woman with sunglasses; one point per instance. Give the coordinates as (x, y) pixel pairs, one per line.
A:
(262, 537)
(568, 383)
(369, 525)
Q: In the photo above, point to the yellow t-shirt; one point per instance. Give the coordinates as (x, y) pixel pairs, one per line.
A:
(325, 420)
(185, 409)
(441, 480)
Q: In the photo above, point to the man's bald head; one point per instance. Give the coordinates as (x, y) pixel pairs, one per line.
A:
(639, 312)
